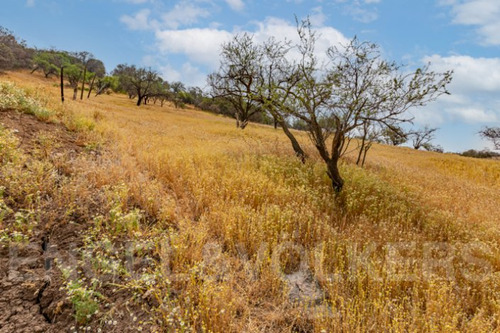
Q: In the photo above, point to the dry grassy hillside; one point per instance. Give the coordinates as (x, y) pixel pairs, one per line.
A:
(163, 219)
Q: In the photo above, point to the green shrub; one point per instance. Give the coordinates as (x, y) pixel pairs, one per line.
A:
(14, 98)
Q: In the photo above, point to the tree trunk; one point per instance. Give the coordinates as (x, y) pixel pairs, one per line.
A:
(62, 84)
(237, 116)
(83, 81)
(361, 149)
(295, 144)
(91, 86)
(243, 124)
(334, 174)
(139, 100)
(332, 163)
(364, 155)
(75, 87)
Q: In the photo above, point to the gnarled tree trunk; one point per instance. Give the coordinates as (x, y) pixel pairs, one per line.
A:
(334, 174)
(299, 152)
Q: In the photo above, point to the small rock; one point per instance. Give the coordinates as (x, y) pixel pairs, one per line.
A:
(38, 329)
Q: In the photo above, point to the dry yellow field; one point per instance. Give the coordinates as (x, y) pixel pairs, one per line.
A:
(247, 239)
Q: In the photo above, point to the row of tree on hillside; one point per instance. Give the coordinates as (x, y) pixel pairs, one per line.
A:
(148, 86)
(81, 70)
(77, 67)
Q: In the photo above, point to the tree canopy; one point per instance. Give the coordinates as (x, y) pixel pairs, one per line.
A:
(138, 82)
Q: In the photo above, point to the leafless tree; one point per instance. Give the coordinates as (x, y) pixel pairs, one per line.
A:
(236, 79)
(359, 89)
(492, 134)
(422, 138)
(394, 136)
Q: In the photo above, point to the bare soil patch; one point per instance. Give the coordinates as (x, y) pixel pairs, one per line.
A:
(31, 295)
(29, 130)
(30, 300)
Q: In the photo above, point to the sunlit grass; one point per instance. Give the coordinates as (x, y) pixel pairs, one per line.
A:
(221, 206)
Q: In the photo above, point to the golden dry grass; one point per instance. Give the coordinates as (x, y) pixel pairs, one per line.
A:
(246, 234)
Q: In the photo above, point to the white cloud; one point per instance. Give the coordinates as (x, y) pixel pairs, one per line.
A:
(137, 2)
(470, 74)
(473, 114)
(282, 29)
(236, 5)
(184, 13)
(149, 61)
(30, 3)
(475, 91)
(188, 74)
(362, 15)
(363, 11)
(317, 17)
(170, 74)
(483, 14)
(202, 45)
(199, 45)
(140, 21)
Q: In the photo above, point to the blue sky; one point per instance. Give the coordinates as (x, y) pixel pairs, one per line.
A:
(181, 40)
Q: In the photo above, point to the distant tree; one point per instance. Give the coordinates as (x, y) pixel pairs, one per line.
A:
(178, 94)
(436, 149)
(84, 57)
(97, 70)
(237, 78)
(370, 133)
(492, 134)
(123, 72)
(394, 136)
(49, 62)
(7, 58)
(356, 87)
(97, 67)
(107, 83)
(194, 96)
(165, 93)
(136, 81)
(422, 138)
(73, 74)
(480, 153)
(13, 52)
(257, 78)
(177, 87)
